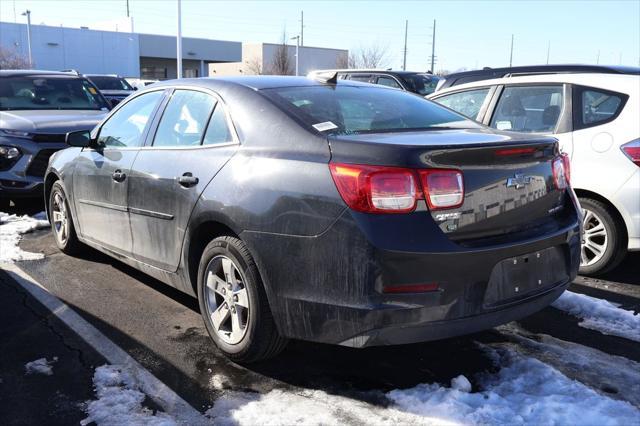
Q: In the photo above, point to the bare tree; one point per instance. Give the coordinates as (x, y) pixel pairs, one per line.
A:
(373, 56)
(12, 60)
(281, 64)
(254, 66)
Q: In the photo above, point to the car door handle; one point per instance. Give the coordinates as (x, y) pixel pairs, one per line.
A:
(118, 176)
(188, 180)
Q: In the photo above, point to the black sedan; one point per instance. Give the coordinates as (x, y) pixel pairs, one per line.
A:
(318, 209)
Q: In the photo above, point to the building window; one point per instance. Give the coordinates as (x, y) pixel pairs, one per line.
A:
(190, 73)
(153, 73)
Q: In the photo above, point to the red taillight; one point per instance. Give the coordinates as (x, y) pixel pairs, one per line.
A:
(443, 188)
(376, 189)
(632, 150)
(382, 189)
(566, 162)
(514, 151)
(411, 288)
(559, 172)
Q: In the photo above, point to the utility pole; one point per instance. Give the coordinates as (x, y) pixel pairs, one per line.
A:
(127, 8)
(548, 50)
(404, 60)
(179, 43)
(598, 57)
(433, 48)
(511, 54)
(297, 52)
(302, 28)
(27, 13)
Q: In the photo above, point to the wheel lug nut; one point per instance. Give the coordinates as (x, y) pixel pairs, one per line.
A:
(229, 286)
(235, 297)
(224, 291)
(233, 309)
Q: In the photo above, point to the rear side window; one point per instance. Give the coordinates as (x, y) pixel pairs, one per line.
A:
(598, 106)
(218, 129)
(184, 119)
(529, 109)
(466, 103)
(389, 82)
(343, 110)
(360, 77)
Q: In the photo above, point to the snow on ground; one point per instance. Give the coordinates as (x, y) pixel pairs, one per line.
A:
(615, 375)
(600, 315)
(120, 401)
(523, 391)
(40, 366)
(11, 228)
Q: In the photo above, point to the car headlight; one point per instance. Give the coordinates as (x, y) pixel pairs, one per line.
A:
(9, 152)
(15, 133)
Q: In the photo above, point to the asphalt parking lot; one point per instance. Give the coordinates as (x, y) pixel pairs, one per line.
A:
(161, 328)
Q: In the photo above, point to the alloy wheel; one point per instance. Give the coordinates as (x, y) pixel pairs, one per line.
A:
(595, 239)
(60, 218)
(227, 300)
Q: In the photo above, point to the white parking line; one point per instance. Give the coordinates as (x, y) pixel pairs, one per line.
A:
(170, 402)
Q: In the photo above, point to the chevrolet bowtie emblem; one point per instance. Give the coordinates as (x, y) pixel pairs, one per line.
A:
(518, 181)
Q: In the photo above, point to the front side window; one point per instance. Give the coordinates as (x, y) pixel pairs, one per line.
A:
(125, 127)
(598, 106)
(528, 109)
(49, 92)
(422, 84)
(466, 103)
(184, 119)
(389, 82)
(343, 110)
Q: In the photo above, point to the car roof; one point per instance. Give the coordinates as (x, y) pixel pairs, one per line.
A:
(614, 82)
(493, 73)
(371, 70)
(257, 82)
(25, 73)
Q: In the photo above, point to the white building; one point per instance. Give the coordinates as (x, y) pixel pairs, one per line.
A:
(259, 58)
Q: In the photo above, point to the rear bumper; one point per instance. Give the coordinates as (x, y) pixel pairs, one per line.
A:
(329, 288)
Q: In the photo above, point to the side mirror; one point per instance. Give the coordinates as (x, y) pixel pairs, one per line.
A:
(80, 139)
(135, 88)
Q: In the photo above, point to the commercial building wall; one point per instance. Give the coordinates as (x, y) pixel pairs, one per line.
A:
(88, 51)
(257, 58)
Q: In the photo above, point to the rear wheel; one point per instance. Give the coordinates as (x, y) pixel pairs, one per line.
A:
(233, 302)
(604, 242)
(62, 225)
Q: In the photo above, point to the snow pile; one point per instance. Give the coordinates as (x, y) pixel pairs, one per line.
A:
(307, 407)
(524, 391)
(11, 227)
(600, 315)
(120, 402)
(40, 366)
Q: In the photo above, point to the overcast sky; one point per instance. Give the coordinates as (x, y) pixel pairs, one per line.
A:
(468, 33)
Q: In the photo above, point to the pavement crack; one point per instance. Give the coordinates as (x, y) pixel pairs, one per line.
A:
(46, 320)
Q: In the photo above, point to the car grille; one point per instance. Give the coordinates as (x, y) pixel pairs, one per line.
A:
(49, 137)
(39, 163)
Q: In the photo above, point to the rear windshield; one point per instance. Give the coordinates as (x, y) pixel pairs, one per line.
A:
(49, 92)
(345, 110)
(423, 84)
(110, 83)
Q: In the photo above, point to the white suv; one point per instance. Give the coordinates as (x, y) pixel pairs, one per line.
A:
(594, 112)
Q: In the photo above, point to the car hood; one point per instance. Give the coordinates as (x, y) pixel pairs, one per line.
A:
(50, 121)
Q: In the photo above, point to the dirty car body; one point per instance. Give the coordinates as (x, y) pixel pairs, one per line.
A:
(368, 225)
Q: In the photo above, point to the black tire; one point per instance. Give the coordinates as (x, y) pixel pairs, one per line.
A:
(261, 339)
(616, 245)
(69, 245)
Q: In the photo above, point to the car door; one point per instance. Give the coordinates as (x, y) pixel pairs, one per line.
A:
(100, 177)
(193, 138)
(472, 103)
(543, 108)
